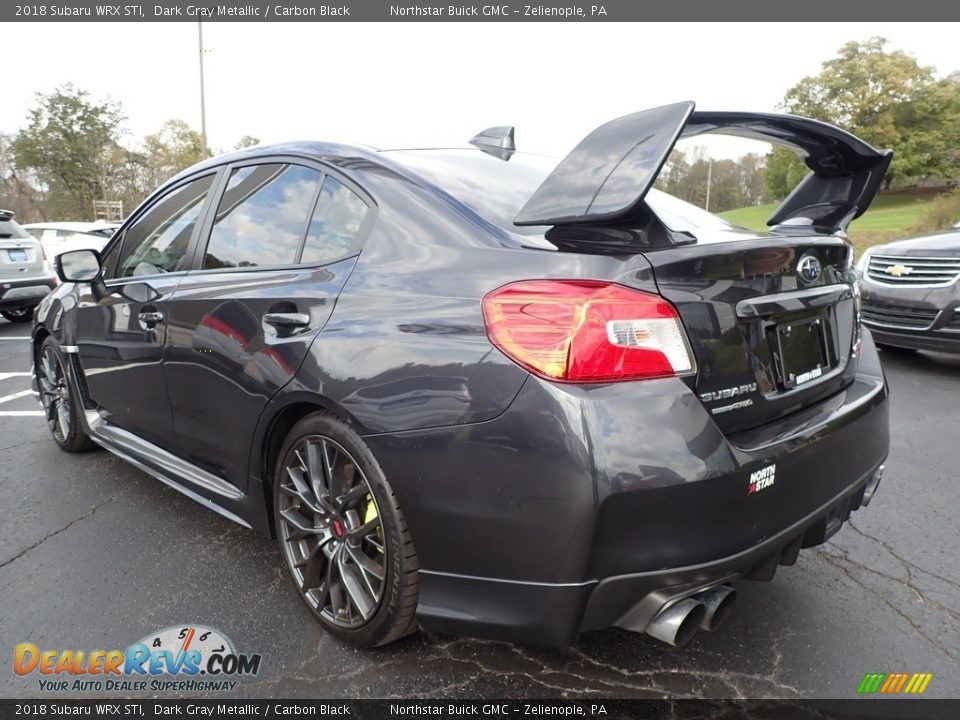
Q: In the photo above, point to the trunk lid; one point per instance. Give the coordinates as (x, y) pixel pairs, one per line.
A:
(772, 321)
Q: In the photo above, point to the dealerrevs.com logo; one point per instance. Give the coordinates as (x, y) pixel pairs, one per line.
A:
(181, 658)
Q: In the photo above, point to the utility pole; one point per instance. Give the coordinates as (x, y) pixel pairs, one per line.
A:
(709, 180)
(203, 101)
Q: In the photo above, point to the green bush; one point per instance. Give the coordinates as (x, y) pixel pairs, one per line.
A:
(941, 212)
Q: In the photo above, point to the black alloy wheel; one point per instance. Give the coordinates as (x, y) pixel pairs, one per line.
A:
(61, 408)
(343, 536)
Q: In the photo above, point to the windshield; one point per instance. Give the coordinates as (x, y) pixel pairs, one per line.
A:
(496, 190)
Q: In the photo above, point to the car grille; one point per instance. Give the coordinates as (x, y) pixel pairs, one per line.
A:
(954, 323)
(898, 316)
(909, 271)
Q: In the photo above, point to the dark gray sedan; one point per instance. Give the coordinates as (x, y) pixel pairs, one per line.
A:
(476, 391)
(911, 297)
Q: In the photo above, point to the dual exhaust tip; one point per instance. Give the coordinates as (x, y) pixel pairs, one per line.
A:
(708, 610)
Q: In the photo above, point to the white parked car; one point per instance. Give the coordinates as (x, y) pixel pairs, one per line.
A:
(61, 237)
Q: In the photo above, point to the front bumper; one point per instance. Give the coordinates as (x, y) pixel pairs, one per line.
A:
(580, 504)
(916, 318)
(25, 292)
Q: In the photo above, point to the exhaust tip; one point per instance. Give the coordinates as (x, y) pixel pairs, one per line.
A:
(718, 605)
(678, 623)
(871, 487)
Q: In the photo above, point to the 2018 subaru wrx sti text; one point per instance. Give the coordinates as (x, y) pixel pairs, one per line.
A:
(480, 392)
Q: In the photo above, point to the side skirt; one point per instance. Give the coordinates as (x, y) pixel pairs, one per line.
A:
(166, 467)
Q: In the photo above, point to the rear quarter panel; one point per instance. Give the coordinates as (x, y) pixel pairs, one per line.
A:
(406, 347)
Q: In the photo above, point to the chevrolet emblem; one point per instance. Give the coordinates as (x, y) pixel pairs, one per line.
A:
(898, 270)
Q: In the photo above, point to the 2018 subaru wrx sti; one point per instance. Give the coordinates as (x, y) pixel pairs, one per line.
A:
(484, 393)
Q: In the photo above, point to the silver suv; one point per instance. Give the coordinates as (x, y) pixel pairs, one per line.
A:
(25, 275)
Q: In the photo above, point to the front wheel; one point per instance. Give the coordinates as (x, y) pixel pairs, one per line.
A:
(343, 536)
(19, 315)
(61, 407)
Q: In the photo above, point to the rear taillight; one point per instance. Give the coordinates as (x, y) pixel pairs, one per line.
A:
(587, 331)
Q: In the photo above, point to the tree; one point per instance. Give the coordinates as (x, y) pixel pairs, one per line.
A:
(784, 172)
(174, 147)
(71, 146)
(247, 141)
(17, 192)
(733, 183)
(891, 101)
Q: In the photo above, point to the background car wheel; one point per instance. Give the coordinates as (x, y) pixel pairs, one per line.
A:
(56, 395)
(343, 535)
(20, 315)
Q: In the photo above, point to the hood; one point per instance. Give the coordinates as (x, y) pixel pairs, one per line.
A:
(946, 242)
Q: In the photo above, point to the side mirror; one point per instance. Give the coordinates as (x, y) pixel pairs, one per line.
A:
(139, 292)
(78, 266)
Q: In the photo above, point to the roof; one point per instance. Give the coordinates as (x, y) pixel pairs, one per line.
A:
(79, 227)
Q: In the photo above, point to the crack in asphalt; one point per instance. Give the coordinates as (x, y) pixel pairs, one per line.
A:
(836, 562)
(728, 678)
(566, 677)
(907, 564)
(54, 533)
(19, 445)
(908, 583)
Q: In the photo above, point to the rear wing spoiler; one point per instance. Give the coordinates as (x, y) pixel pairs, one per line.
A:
(604, 180)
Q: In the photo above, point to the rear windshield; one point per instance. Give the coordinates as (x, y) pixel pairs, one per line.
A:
(492, 188)
(496, 190)
(9, 229)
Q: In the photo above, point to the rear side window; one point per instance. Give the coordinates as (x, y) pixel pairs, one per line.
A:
(262, 216)
(158, 241)
(335, 224)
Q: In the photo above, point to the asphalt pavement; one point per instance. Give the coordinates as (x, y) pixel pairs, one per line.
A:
(94, 554)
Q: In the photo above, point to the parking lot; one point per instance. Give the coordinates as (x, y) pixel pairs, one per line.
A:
(94, 554)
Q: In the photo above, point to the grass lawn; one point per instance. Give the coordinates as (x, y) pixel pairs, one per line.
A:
(891, 216)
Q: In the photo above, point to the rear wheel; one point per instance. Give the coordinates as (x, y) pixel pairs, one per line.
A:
(19, 315)
(343, 535)
(62, 409)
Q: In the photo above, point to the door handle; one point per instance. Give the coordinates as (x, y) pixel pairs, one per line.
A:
(151, 318)
(292, 319)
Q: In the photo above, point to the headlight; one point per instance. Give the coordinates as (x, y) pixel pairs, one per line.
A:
(864, 261)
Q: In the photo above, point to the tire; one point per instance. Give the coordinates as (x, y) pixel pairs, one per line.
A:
(345, 542)
(20, 315)
(63, 409)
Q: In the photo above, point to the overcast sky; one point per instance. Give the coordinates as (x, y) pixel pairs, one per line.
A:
(405, 84)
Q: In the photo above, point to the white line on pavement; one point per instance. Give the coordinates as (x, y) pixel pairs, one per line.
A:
(4, 376)
(21, 413)
(16, 337)
(14, 396)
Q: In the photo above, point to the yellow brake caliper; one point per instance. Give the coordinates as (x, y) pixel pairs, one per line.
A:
(371, 514)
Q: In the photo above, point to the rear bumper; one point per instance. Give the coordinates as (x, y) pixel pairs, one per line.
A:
(579, 504)
(555, 613)
(25, 292)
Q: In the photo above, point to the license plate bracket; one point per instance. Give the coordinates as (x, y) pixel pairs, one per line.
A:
(17, 255)
(802, 351)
